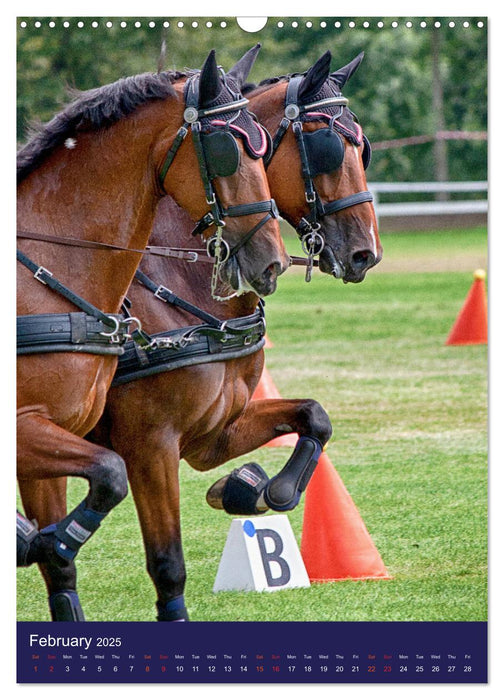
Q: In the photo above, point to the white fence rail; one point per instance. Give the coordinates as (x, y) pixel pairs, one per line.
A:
(434, 208)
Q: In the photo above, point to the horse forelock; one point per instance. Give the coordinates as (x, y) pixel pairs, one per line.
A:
(92, 110)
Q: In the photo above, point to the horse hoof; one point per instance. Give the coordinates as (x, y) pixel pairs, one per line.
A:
(215, 494)
(241, 492)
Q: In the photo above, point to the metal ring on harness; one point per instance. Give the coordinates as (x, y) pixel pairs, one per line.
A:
(191, 115)
(312, 243)
(212, 247)
(133, 319)
(113, 333)
(292, 111)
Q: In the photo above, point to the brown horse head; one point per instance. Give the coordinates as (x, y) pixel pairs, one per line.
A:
(317, 170)
(231, 199)
(97, 164)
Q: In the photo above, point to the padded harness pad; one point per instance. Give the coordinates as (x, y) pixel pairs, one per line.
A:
(243, 488)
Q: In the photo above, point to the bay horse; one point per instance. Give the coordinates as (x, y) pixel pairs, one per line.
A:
(92, 178)
(189, 395)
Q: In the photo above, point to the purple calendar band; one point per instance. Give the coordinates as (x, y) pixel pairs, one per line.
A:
(250, 652)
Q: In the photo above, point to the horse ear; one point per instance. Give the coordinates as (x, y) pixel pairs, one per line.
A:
(239, 72)
(210, 83)
(344, 74)
(315, 77)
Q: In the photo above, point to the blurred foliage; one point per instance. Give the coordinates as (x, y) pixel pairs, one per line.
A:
(391, 92)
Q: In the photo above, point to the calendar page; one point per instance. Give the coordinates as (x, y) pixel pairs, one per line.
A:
(252, 349)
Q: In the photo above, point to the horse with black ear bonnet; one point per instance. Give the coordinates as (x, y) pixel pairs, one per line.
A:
(330, 206)
(88, 186)
(189, 395)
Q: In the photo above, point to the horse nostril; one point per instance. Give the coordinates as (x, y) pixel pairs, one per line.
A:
(363, 259)
(275, 269)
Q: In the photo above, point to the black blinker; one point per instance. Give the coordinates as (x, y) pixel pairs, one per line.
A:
(222, 154)
(366, 153)
(325, 151)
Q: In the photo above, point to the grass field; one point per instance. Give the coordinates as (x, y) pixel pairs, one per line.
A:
(410, 443)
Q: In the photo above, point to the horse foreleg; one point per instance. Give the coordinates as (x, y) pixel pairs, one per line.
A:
(155, 488)
(45, 453)
(248, 490)
(45, 502)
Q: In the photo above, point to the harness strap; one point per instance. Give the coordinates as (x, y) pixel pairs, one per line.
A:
(284, 125)
(170, 297)
(172, 152)
(246, 238)
(297, 128)
(211, 197)
(46, 277)
(163, 251)
(194, 345)
(268, 205)
(350, 201)
(292, 108)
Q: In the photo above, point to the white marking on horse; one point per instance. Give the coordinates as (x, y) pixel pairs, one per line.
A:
(373, 238)
(372, 231)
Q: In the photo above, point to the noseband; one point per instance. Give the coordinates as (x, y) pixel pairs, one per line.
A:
(327, 141)
(219, 143)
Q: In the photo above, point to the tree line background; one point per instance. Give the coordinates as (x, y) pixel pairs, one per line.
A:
(414, 81)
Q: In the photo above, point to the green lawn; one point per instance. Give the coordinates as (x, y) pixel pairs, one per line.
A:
(410, 443)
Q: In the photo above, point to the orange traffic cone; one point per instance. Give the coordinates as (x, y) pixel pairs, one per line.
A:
(266, 389)
(471, 325)
(335, 543)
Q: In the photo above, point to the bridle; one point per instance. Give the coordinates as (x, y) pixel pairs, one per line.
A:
(217, 247)
(308, 227)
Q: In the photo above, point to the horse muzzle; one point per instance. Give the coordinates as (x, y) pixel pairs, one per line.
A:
(266, 283)
(353, 269)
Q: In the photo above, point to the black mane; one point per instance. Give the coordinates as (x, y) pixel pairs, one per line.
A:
(250, 87)
(92, 110)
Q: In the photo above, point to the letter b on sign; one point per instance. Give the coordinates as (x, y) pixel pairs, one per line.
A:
(271, 558)
(261, 554)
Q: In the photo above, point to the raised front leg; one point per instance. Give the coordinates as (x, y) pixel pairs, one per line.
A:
(46, 453)
(248, 490)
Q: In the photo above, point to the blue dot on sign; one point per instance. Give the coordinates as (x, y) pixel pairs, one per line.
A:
(248, 528)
